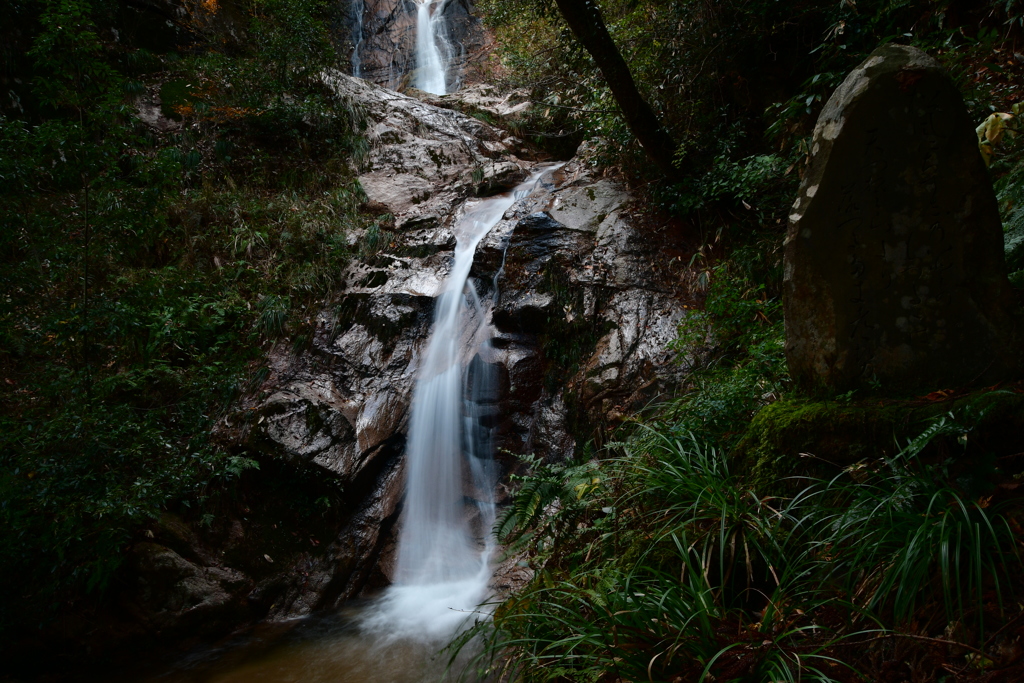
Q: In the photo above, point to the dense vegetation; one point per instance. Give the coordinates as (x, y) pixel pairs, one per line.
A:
(741, 532)
(177, 195)
(174, 197)
(679, 554)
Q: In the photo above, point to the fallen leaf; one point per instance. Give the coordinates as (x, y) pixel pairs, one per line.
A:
(940, 395)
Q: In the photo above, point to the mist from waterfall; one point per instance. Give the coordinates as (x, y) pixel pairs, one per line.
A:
(445, 542)
(431, 47)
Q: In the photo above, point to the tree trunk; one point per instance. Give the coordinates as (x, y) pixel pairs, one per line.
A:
(584, 18)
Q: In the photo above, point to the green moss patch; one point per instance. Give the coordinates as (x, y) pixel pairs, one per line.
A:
(801, 437)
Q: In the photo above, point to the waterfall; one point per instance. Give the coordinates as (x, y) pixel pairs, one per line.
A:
(431, 47)
(357, 37)
(444, 544)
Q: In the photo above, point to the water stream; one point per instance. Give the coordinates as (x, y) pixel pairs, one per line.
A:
(358, 8)
(444, 545)
(431, 47)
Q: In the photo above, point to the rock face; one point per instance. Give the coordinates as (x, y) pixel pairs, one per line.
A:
(580, 321)
(894, 258)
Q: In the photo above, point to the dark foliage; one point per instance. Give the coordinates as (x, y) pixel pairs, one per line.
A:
(145, 266)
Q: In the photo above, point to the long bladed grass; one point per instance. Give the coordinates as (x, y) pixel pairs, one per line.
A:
(663, 564)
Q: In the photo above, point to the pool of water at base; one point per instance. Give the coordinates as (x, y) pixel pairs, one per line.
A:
(321, 649)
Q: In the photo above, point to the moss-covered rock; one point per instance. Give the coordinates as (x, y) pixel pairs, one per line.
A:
(811, 438)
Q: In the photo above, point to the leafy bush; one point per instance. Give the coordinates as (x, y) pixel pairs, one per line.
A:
(738, 85)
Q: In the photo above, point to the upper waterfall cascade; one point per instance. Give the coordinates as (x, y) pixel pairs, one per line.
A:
(358, 8)
(431, 47)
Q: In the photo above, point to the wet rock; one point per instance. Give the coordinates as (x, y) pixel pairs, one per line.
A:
(538, 246)
(150, 111)
(550, 433)
(424, 160)
(172, 531)
(172, 593)
(588, 206)
(644, 323)
(582, 326)
(894, 258)
(484, 98)
(347, 565)
(334, 406)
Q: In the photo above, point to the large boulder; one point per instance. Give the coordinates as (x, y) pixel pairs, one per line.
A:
(895, 275)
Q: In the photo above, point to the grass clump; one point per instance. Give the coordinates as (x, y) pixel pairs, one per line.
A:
(733, 347)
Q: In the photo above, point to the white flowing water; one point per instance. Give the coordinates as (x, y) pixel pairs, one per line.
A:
(357, 37)
(444, 544)
(431, 47)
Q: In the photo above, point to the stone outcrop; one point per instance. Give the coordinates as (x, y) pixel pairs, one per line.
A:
(582, 320)
(424, 160)
(895, 276)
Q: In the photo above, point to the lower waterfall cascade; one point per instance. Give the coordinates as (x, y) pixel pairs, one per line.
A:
(445, 545)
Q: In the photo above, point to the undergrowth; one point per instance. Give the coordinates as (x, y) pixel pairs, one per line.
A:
(146, 267)
(662, 564)
(668, 559)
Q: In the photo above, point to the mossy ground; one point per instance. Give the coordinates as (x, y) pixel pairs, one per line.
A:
(798, 437)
